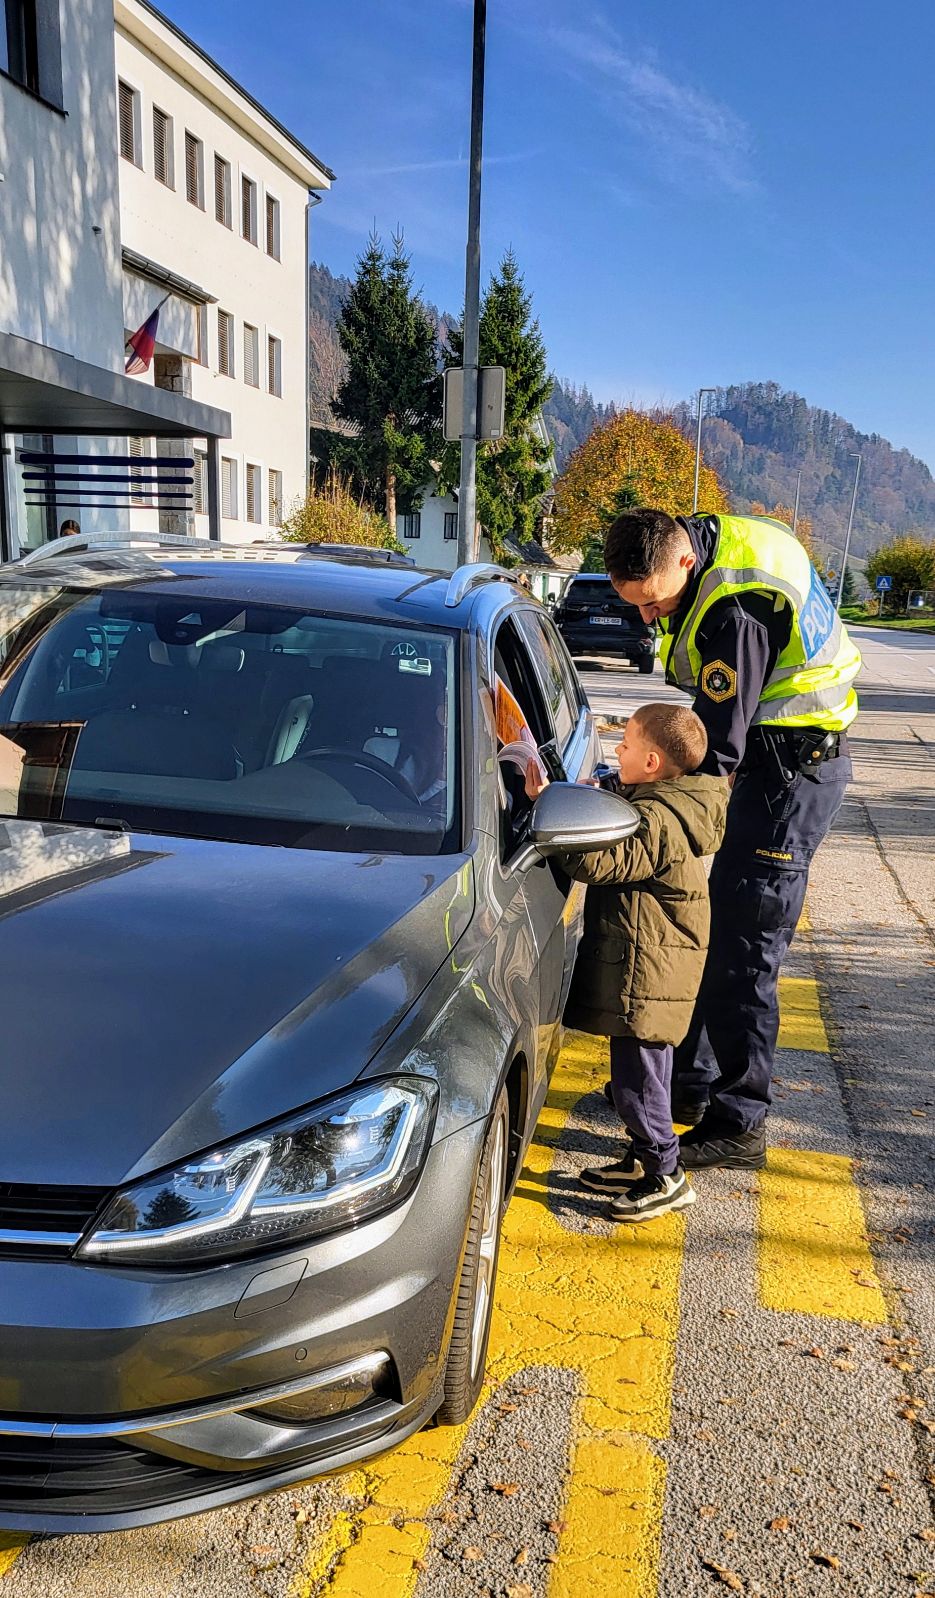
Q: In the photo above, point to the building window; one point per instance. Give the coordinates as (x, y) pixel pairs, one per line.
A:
(225, 344)
(275, 498)
(251, 355)
(272, 228)
(139, 451)
(201, 334)
(412, 524)
(451, 526)
(274, 364)
(19, 43)
(163, 149)
(194, 170)
(128, 120)
(222, 191)
(248, 209)
(253, 493)
(228, 489)
(200, 484)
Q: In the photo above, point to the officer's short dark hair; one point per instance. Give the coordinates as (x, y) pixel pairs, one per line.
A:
(676, 732)
(640, 543)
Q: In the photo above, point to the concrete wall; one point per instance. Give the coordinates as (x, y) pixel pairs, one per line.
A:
(60, 277)
(270, 295)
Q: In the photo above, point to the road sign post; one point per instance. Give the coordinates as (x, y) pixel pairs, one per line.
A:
(883, 586)
(491, 402)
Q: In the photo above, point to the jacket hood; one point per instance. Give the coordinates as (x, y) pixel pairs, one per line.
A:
(698, 802)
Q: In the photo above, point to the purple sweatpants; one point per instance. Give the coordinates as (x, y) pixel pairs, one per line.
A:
(641, 1074)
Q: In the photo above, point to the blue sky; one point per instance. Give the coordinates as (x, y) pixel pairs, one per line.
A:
(697, 194)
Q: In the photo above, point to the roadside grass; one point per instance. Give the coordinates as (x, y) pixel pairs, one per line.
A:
(863, 617)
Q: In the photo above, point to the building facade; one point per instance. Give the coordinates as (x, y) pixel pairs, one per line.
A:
(134, 173)
(214, 198)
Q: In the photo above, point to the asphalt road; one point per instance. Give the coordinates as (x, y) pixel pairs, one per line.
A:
(738, 1401)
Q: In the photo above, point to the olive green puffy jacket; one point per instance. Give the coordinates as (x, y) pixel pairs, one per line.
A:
(647, 915)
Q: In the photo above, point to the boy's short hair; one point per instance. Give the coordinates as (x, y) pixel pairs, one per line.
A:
(640, 543)
(676, 732)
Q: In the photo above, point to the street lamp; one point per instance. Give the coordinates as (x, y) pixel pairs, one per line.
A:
(795, 508)
(701, 393)
(467, 490)
(850, 523)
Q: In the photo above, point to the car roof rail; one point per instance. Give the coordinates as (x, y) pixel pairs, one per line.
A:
(367, 552)
(473, 575)
(87, 543)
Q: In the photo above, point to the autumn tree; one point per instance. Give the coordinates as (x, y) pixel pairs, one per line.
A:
(909, 560)
(634, 451)
(390, 394)
(804, 531)
(512, 471)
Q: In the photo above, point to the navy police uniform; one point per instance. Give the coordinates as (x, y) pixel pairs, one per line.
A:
(788, 787)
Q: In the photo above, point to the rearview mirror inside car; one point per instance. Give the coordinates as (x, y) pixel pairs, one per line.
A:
(568, 817)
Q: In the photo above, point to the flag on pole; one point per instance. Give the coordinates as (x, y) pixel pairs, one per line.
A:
(142, 343)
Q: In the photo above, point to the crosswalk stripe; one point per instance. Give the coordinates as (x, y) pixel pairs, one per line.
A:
(801, 1025)
(11, 1547)
(814, 1257)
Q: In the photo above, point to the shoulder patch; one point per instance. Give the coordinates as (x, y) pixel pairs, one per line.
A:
(718, 681)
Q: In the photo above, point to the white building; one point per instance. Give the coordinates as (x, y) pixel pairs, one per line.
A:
(133, 169)
(214, 203)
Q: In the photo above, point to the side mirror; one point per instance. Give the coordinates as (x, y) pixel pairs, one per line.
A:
(573, 818)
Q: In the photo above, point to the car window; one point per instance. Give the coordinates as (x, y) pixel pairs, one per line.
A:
(562, 706)
(243, 722)
(514, 668)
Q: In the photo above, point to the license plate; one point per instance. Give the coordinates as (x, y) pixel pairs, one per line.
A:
(606, 621)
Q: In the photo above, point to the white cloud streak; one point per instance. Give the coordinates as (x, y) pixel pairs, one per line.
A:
(691, 134)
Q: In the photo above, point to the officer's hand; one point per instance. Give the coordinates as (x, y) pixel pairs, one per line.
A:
(536, 781)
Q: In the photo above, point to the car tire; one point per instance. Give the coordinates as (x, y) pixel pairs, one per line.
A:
(644, 667)
(467, 1350)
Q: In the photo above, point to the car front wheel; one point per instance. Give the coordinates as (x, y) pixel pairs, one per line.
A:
(646, 666)
(467, 1352)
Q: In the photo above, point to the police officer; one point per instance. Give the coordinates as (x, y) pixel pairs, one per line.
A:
(749, 631)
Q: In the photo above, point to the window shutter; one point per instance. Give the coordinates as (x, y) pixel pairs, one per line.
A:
(193, 169)
(225, 344)
(251, 355)
(200, 484)
(126, 115)
(275, 498)
(222, 190)
(274, 352)
(272, 227)
(253, 493)
(162, 147)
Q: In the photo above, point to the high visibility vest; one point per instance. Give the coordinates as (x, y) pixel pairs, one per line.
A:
(811, 684)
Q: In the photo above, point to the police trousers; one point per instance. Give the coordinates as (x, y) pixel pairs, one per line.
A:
(757, 884)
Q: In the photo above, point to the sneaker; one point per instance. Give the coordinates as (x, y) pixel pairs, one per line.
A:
(654, 1195)
(614, 1178)
(707, 1149)
(609, 1094)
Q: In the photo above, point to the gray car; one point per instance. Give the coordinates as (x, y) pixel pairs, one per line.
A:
(283, 959)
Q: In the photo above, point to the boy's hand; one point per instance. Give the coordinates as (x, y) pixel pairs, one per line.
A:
(536, 781)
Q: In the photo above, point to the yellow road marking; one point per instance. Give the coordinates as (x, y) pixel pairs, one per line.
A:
(814, 1253)
(11, 1547)
(606, 1307)
(814, 1257)
(801, 1025)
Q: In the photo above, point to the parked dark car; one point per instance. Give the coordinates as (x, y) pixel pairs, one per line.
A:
(594, 620)
(283, 960)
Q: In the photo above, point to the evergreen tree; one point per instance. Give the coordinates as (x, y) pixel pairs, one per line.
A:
(390, 393)
(512, 472)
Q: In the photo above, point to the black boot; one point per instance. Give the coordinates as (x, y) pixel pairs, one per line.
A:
(687, 1112)
(710, 1147)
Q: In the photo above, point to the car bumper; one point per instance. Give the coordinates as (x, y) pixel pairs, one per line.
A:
(129, 1397)
(605, 641)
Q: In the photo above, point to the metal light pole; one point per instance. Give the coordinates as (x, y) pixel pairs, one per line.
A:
(795, 508)
(850, 523)
(701, 393)
(467, 491)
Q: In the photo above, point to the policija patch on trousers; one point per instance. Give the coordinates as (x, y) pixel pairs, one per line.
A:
(719, 681)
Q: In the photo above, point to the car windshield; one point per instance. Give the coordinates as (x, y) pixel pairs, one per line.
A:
(596, 593)
(212, 718)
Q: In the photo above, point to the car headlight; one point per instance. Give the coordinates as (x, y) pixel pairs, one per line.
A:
(334, 1165)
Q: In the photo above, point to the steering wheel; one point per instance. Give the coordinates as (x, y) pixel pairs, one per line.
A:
(331, 756)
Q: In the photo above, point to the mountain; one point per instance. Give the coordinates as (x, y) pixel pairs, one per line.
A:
(756, 435)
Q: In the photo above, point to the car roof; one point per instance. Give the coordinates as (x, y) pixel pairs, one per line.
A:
(372, 589)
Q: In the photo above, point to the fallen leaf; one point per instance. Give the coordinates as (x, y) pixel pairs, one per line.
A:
(262, 1550)
(856, 1525)
(553, 1560)
(728, 1313)
(729, 1578)
(730, 1535)
(844, 1364)
(419, 1564)
(814, 1353)
(505, 1488)
(522, 1556)
(522, 1589)
(707, 1510)
(830, 1561)
(448, 1517)
(522, 1443)
(918, 1112)
(556, 1526)
(472, 1553)
(927, 1534)
(781, 1523)
(507, 1409)
(300, 1517)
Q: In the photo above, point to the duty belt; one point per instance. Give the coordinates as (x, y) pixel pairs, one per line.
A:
(794, 751)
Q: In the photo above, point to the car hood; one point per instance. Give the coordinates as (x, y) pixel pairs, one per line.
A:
(160, 995)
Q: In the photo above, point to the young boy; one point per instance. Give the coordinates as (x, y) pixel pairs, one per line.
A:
(646, 923)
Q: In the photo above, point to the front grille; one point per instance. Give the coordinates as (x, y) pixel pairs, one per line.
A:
(43, 1207)
(74, 1476)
